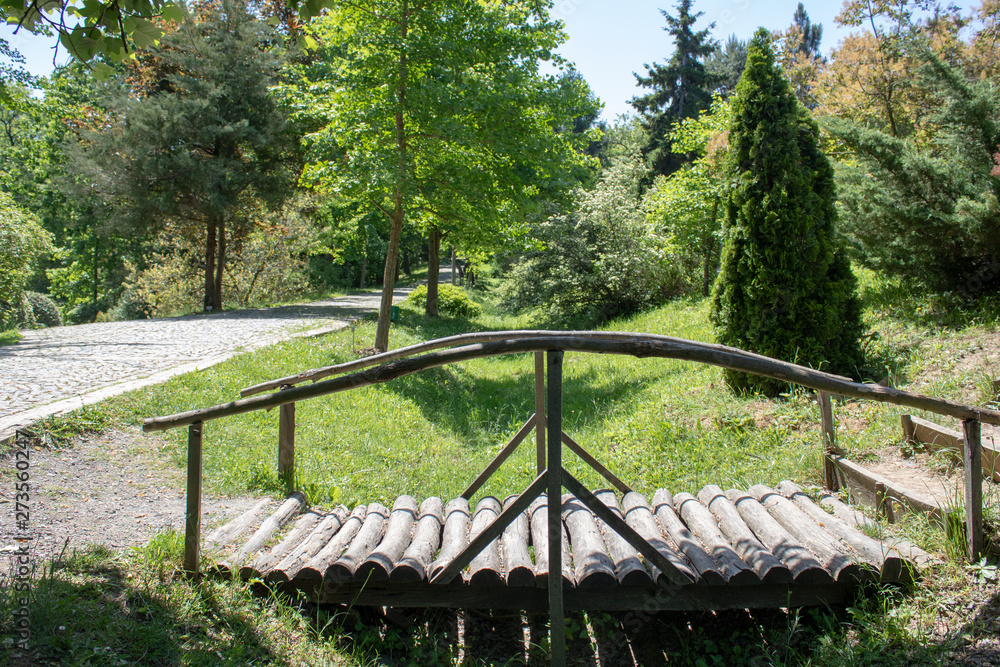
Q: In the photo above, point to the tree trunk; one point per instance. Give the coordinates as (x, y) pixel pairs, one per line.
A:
(406, 261)
(453, 262)
(364, 269)
(220, 264)
(210, 268)
(433, 271)
(396, 229)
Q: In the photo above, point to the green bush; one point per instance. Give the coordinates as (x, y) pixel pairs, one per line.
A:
(43, 309)
(130, 306)
(451, 301)
(785, 288)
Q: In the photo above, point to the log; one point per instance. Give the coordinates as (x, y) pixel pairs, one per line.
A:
(852, 517)
(688, 544)
(455, 535)
(286, 512)
(317, 566)
(226, 533)
(538, 519)
(383, 559)
(514, 548)
(891, 565)
(801, 563)
(485, 568)
(260, 566)
(713, 512)
(628, 566)
(416, 561)
(372, 530)
(592, 566)
(640, 517)
(289, 566)
(638, 345)
(862, 485)
(830, 552)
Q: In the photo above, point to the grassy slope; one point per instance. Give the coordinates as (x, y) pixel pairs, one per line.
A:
(655, 422)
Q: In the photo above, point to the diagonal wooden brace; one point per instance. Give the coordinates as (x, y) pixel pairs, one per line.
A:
(617, 524)
(595, 464)
(491, 532)
(500, 458)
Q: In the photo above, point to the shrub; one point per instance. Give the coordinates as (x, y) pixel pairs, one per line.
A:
(22, 242)
(130, 306)
(785, 288)
(452, 300)
(43, 309)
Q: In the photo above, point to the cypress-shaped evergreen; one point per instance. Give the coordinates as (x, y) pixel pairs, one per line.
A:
(785, 288)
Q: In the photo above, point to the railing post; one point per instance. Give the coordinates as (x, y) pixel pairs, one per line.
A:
(829, 441)
(557, 630)
(192, 524)
(286, 445)
(973, 488)
(540, 409)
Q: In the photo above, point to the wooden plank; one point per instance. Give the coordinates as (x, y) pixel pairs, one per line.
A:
(538, 517)
(383, 559)
(833, 554)
(485, 568)
(289, 565)
(287, 511)
(643, 600)
(192, 521)
(973, 457)
(935, 437)
(650, 553)
(286, 445)
(595, 464)
(592, 566)
(804, 567)
(226, 533)
(851, 516)
(883, 503)
(499, 459)
(739, 537)
(416, 561)
(640, 517)
(455, 536)
(372, 530)
(473, 547)
(314, 570)
(686, 542)
(861, 483)
(629, 569)
(890, 563)
(638, 345)
(518, 568)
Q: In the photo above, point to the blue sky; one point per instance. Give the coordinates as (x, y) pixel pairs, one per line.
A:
(608, 39)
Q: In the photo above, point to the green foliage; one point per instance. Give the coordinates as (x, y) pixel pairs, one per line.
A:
(925, 208)
(44, 311)
(602, 260)
(785, 289)
(452, 300)
(22, 243)
(680, 89)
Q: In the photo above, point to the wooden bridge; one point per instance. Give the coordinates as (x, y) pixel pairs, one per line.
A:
(615, 550)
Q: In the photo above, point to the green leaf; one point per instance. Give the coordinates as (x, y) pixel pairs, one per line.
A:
(146, 33)
(102, 71)
(172, 12)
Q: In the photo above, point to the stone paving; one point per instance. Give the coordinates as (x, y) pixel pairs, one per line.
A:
(49, 366)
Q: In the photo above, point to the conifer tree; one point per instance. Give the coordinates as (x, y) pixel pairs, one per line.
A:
(785, 288)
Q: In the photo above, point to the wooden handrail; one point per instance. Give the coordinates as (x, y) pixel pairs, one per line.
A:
(456, 341)
(638, 345)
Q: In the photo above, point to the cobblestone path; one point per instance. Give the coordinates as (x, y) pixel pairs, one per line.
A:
(49, 366)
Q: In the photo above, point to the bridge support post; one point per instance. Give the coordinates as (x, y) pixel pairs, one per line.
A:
(829, 441)
(286, 445)
(557, 630)
(192, 524)
(540, 409)
(973, 454)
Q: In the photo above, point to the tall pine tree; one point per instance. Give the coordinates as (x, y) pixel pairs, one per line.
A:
(785, 289)
(680, 89)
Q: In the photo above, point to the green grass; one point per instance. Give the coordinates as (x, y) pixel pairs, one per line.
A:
(9, 337)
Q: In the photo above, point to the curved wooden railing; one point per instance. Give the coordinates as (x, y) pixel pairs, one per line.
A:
(547, 424)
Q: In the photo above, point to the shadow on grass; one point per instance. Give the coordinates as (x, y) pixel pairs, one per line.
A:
(94, 610)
